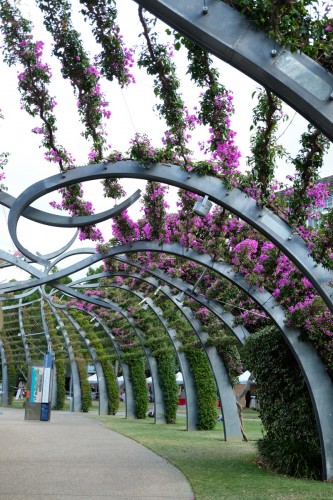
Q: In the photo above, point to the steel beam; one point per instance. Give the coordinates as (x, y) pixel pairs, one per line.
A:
(4, 371)
(318, 381)
(103, 400)
(76, 403)
(235, 201)
(108, 304)
(301, 82)
(191, 401)
(231, 424)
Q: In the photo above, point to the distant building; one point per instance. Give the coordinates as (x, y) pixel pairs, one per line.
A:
(329, 202)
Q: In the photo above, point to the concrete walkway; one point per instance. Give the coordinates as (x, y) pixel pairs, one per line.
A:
(75, 457)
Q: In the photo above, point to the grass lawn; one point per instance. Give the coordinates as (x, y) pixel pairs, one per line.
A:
(217, 469)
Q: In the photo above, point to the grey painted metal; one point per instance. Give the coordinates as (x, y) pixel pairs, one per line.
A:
(61, 250)
(298, 80)
(267, 223)
(115, 307)
(227, 318)
(231, 425)
(44, 323)
(192, 408)
(323, 406)
(62, 220)
(129, 393)
(76, 401)
(49, 348)
(232, 430)
(213, 306)
(318, 381)
(103, 403)
(129, 400)
(4, 371)
(159, 406)
(22, 332)
(191, 400)
(54, 220)
(51, 255)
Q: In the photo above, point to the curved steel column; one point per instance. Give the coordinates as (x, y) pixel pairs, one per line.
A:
(4, 371)
(191, 399)
(159, 407)
(129, 399)
(103, 400)
(231, 425)
(23, 337)
(266, 222)
(108, 304)
(318, 381)
(76, 403)
(298, 80)
(49, 348)
(213, 306)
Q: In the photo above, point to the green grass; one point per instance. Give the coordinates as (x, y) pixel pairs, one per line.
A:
(217, 469)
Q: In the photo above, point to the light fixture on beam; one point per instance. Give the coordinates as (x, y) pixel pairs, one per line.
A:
(202, 206)
(180, 297)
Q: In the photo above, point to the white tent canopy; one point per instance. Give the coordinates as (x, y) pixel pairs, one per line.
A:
(179, 379)
(92, 379)
(244, 377)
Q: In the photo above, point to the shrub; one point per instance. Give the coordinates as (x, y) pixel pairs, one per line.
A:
(291, 442)
(61, 378)
(138, 378)
(166, 370)
(205, 388)
(112, 387)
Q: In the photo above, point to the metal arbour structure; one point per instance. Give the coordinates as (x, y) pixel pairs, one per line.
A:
(223, 31)
(224, 389)
(319, 383)
(303, 84)
(236, 202)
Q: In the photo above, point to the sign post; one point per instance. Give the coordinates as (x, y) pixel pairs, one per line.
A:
(38, 396)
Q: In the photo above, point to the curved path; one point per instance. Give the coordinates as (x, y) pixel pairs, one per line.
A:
(76, 457)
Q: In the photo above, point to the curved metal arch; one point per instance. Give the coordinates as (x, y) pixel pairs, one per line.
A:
(24, 340)
(298, 80)
(318, 381)
(213, 306)
(103, 406)
(129, 402)
(191, 402)
(227, 318)
(49, 348)
(76, 403)
(6, 308)
(61, 250)
(150, 359)
(49, 256)
(4, 371)
(267, 223)
(229, 410)
(57, 220)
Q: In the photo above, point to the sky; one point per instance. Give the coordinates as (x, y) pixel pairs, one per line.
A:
(132, 111)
